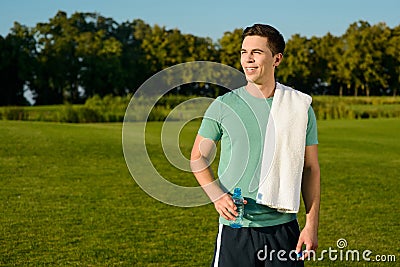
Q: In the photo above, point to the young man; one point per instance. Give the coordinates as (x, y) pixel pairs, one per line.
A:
(268, 138)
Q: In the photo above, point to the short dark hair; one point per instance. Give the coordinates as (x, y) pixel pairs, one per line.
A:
(275, 42)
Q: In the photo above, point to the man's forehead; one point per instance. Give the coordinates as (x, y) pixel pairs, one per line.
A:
(255, 41)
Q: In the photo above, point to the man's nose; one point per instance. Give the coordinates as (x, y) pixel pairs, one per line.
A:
(249, 57)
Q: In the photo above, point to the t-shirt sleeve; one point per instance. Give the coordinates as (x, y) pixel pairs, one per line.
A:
(211, 124)
(312, 132)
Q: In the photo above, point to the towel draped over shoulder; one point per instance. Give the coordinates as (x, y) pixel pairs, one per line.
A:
(283, 153)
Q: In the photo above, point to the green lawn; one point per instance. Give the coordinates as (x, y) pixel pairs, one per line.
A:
(67, 198)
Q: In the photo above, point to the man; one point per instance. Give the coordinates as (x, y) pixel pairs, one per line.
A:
(247, 121)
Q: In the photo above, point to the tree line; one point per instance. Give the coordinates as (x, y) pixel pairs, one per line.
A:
(72, 58)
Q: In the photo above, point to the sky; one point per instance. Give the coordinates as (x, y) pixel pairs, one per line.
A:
(211, 18)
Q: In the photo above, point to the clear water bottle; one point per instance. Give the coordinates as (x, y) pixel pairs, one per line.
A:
(238, 200)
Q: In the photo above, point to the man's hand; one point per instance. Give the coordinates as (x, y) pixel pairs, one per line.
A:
(309, 238)
(226, 208)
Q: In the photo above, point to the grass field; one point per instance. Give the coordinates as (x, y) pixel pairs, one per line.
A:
(67, 198)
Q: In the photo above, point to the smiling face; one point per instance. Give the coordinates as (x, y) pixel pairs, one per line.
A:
(257, 60)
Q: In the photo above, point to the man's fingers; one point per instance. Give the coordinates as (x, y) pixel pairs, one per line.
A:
(226, 208)
(228, 211)
(226, 214)
(309, 247)
(223, 215)
(230, 207)
(299, 246)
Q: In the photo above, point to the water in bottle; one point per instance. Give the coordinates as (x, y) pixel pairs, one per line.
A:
(238, 200)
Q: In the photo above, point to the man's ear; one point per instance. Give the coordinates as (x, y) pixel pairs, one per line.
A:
(278, 59)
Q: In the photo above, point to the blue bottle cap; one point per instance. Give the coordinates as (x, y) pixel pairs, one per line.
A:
(237, 191)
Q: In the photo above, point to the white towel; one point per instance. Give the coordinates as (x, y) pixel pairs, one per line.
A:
(283, 152)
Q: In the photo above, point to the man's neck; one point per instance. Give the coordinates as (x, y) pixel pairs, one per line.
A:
(261, 90)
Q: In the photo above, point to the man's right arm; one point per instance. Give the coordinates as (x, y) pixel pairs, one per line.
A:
(200, 161)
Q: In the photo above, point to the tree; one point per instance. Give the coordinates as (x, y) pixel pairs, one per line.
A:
(16, 64)
(329, 53)
(58, 68)
(373, 42)
(392, 60)
(351, 56)
(295, 69)
(133, 63)
(78, 58)
(229, 48)
(68, 59)
(319, 63)
(101, 71)
(362, 60)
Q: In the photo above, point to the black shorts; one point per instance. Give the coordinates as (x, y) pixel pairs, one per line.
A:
(257, 246)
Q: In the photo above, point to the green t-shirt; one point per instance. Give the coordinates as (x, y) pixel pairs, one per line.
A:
(239, 121)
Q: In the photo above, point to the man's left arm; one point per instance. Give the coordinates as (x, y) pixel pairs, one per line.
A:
(310, 189)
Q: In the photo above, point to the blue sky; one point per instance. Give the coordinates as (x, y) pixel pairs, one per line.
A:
(211, 18)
